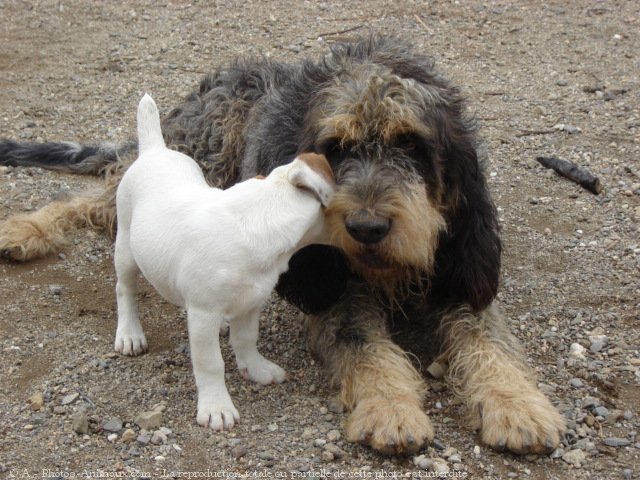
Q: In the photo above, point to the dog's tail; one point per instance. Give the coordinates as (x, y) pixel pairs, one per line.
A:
(149, 129)
(63, 156)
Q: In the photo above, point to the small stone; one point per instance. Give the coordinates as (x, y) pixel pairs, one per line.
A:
(80, 422)
(239, 451)
(319, 442)
(627, 415)
(159, 458)
(577, 351)
(440, 467)
(149, 420)
(557, 453)
(476, 450)
(272, 427)
(437, 444)
(36, 401)
(128, 435)
(158, 438)
(425, 463)
(59, 410)
(327, 456)
(437, 369)
(55, 290)
(134, 452)
(627, 473)
(455, 458)
(143, 438)
(601, 411)
(112, 425)
(598, 342)
(334, 436)
(69, 399)
(562, 82)
(576, 383)
(335, 450)
(112, 437)
(616, 442)
(590, 402)
(575, 457)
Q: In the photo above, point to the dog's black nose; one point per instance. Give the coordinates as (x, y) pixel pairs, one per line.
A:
(366, 228)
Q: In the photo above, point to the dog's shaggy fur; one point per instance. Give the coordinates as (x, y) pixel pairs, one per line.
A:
(415, 232)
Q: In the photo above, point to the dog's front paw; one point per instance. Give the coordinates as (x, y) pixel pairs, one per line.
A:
(528, 424)
(217, 414)
(130, 343)
(262, 371)
(390, 427)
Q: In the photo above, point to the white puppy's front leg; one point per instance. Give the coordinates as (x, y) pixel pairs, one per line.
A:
(130, 339)
(243, 337)
(215, 408)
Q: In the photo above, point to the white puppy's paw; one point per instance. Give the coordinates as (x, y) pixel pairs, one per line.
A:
(218, 415)
(262, 371)
(130, 343)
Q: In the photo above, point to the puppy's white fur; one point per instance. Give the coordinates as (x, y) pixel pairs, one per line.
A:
(216, 253)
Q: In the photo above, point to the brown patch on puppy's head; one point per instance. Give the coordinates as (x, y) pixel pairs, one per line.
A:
(319, 164)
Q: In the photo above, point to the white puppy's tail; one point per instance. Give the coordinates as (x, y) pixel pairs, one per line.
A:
(149, 130)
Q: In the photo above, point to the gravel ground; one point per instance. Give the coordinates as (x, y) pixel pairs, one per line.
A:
(552, 78)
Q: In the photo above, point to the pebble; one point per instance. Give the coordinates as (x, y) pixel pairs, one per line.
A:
(440, 467)
(437, 444)
(239, 451)
(577, 351)
(143, 438)
(80, 422)
(335, 450)
(128, 435)
(627, 473)
(159, 458)
(335, 406)
(158, 438)
(112, 437)
(327, 456)
(598, 342)
(69, 399)
(601, 411)
(476, 450)
(55, 290)
(319, 442)
(36, 401)
(616, 442)
(112, 425)
(334, 435)
(576, 383)
(272, 427)
(149, 420)
(575, 457)
(455, 458)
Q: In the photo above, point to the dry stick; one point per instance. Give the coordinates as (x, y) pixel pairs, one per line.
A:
(527, 133)
(574, 173)
(346, 30)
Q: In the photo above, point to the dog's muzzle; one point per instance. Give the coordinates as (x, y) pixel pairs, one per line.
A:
(367, 228)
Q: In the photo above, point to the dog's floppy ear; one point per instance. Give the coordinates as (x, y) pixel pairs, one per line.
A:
(312, 172)
(468, 259)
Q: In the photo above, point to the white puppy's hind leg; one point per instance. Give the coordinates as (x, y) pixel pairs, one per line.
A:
(215, 408)
(243, 337)
(130, 339)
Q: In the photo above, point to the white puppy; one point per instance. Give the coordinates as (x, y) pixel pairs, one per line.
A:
(216, 253)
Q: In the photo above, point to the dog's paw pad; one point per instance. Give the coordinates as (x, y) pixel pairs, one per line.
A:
(131, 345)
(390, 427)
(218, 417)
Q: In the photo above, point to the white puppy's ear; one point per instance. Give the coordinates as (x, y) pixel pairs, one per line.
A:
(312, 172)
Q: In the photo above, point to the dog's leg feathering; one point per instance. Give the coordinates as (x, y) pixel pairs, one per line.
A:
(487, 370)
(377, 382)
